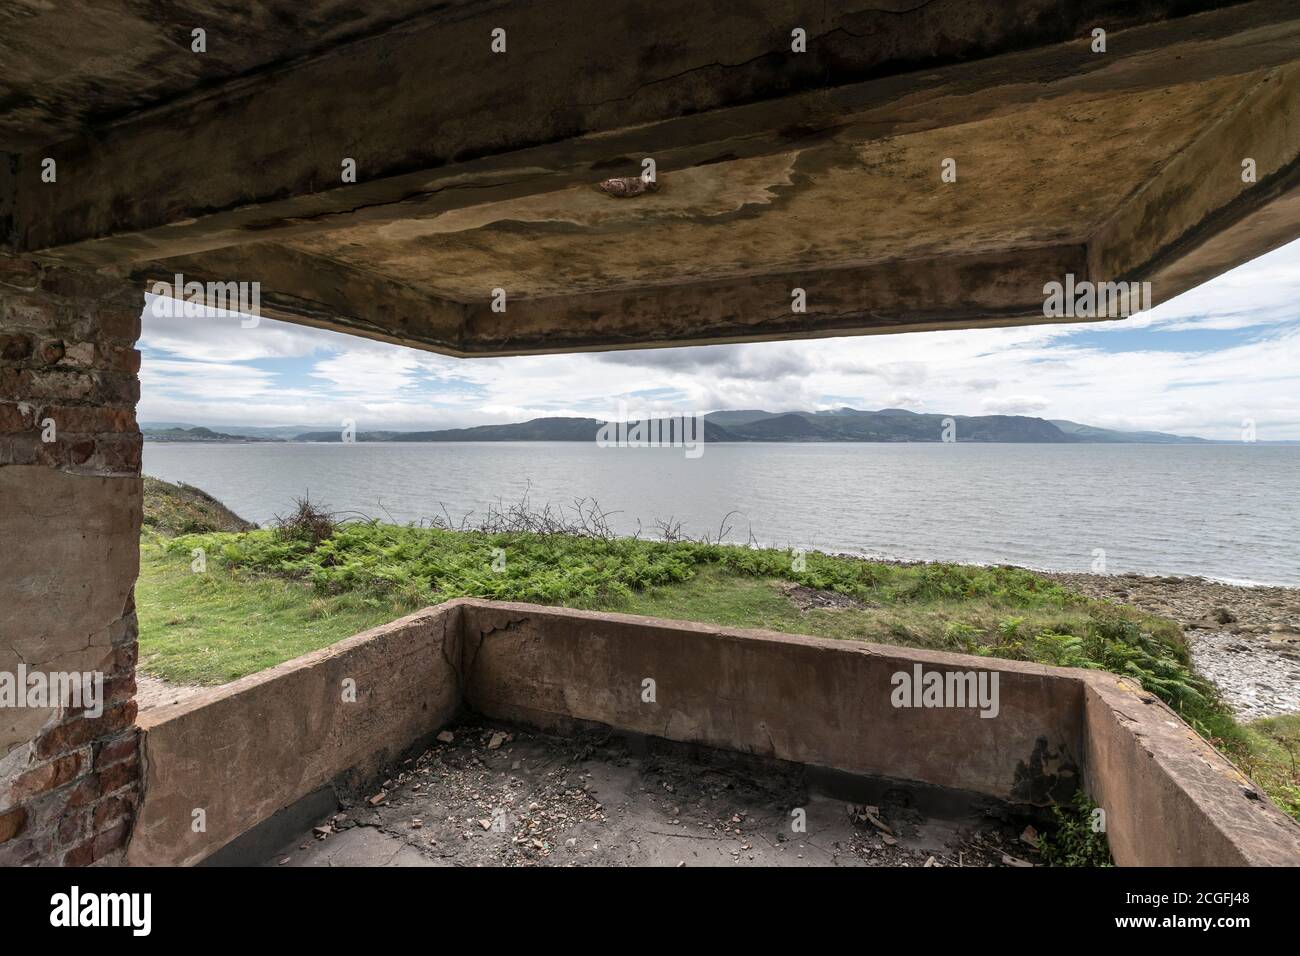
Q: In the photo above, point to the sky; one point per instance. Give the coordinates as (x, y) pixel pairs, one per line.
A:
(1200, 364)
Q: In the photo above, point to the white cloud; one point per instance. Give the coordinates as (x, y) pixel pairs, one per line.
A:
(220, 338)
(1015, 405)
(205, 380)
(1035, 370)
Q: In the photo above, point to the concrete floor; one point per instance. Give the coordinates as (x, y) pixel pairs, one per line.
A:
(503, 796)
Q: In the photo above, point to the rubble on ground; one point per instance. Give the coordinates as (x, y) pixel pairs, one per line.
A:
(494, 796)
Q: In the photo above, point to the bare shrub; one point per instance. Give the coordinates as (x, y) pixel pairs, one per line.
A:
(306, 522)
(584, 518)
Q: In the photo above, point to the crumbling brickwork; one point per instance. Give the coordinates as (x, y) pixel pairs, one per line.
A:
(69, 555)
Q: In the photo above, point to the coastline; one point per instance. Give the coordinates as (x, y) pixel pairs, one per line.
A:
(1245, 638)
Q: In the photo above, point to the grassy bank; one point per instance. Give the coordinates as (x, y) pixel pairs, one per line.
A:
(1270, 753)
(269, 595)
(996, 611)
(217, 626)
(183, 509)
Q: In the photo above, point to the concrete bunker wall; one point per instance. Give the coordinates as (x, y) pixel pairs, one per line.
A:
(1170, 798)
(242, 752)
(69, 553)
(245, 751)
(806, 700)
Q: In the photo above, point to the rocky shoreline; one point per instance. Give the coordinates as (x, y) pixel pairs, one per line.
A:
(1245, 639)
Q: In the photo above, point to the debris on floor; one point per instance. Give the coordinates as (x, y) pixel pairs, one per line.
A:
(492, 796)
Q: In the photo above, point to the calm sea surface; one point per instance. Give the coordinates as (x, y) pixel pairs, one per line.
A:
(1223, 511)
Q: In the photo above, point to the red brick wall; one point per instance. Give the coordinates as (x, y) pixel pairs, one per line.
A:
(69, 783)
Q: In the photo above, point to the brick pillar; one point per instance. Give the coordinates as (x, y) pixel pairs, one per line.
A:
(70, 499)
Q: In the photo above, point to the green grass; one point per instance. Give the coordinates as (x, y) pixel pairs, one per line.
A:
(1270, 753)
(214, 627)
(975, 625)
(997, 611)
(268, 596)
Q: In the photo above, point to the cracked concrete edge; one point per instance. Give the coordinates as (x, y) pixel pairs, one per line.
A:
(1170, 797)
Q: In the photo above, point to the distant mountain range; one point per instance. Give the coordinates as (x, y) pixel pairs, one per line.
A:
(837, 425)
(195, 433)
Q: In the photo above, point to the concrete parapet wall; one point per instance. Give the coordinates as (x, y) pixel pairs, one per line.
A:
(245, 751)
(1170, 798)
(241, 752)
(808, 700)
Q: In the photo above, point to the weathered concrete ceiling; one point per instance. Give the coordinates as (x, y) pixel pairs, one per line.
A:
(776, 170)
(72, 64)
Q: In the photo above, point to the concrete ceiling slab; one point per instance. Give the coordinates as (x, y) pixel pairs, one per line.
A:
(73, 64)
(1049, 175)
(820, 170)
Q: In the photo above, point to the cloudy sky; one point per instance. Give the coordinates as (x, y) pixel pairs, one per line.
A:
(1199, 364)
